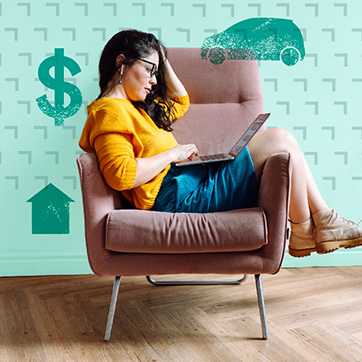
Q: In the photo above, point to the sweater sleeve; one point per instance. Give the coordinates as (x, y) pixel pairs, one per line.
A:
(112, 142)
(116, 160)
(179, 106)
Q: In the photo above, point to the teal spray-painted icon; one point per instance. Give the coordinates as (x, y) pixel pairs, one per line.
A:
(50, 211)
(256, 38)
(60, 87)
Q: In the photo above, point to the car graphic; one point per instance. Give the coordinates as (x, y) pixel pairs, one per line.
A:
(256, 38)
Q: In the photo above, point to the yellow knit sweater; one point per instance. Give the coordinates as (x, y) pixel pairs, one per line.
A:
(118, 133)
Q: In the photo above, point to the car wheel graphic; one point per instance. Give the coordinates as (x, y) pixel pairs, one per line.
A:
(217, 55)
(290, 56)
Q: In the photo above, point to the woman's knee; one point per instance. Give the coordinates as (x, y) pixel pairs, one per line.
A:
(282, 140)
(268, 142)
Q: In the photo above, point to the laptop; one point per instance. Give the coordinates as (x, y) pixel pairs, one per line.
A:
(235, 151)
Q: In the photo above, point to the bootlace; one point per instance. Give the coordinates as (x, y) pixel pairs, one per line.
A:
(348, 221)
(335, 216)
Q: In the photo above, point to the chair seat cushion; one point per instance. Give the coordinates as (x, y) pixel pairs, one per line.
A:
(140, 231)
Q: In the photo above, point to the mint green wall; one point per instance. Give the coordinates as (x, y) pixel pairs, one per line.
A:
(318, 100)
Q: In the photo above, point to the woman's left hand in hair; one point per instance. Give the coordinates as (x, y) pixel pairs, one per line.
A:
(176, 88)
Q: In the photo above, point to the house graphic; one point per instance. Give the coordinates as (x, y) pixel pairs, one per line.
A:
(50, 211)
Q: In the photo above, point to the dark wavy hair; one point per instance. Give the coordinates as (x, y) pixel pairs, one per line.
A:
(135, 44)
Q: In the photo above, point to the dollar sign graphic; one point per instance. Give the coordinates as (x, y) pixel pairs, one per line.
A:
(57, 83)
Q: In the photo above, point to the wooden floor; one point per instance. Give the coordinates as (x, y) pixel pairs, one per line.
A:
(314, 314)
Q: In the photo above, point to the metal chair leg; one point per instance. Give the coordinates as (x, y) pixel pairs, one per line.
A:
(259, 290)
(196, 282)
(112, 308)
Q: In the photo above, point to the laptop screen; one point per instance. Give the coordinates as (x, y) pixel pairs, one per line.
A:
(249, 133)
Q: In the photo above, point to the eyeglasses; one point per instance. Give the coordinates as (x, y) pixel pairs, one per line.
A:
(153, 71)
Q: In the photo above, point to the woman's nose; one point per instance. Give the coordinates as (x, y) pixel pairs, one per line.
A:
(153, 79)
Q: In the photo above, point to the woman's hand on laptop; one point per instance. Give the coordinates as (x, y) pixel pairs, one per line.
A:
(184, 152)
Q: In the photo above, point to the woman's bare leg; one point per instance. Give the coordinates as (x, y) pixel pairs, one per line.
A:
(315, 200)
(325, 231)
(305, 198)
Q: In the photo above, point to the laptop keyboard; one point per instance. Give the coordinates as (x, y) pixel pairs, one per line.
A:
(221, 156)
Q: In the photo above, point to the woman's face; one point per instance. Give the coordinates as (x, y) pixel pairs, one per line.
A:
(140, 77)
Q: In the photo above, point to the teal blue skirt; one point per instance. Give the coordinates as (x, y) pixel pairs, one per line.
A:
(211, 187)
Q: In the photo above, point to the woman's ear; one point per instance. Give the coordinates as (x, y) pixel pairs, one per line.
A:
(120, 59)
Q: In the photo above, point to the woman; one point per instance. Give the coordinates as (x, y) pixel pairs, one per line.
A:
(129, 125)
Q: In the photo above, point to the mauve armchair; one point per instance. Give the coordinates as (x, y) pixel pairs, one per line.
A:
(123, 241)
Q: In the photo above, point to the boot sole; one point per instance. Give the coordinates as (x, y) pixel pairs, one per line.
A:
(330, 246)
(300, 253)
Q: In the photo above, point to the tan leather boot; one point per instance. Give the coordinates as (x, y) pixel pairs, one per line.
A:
(333, 232)
(301, 241)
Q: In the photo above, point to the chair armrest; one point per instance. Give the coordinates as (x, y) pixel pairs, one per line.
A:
(273, 198)
(99, 200)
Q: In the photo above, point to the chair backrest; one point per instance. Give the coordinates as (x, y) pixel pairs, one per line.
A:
(225, 99)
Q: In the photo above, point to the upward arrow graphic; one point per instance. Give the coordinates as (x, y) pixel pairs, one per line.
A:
(50, 211)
